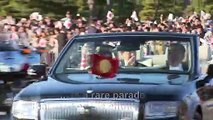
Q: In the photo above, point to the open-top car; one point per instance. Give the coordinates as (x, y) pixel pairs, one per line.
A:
(121, 76)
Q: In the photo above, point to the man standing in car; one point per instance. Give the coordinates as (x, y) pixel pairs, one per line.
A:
(176, 54)
(128, 54)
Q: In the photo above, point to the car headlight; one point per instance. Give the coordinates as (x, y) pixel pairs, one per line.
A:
(25, 109)
(161, 109)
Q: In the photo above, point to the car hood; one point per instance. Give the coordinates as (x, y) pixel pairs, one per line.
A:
(144, 91)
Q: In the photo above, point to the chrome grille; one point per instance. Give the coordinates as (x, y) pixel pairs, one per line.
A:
(89, 109)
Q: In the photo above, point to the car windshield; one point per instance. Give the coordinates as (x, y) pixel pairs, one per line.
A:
(136, 55)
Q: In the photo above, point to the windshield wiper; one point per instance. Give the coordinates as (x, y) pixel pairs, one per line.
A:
(173, 76)
(129, 80)
(134, 81)
(173, 79)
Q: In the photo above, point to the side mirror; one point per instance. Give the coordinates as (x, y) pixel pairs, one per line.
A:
(37, 71)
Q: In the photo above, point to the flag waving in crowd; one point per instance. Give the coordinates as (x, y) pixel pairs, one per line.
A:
(110, 15)
(134, 16)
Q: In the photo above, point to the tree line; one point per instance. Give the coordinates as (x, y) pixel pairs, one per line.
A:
(146, 9)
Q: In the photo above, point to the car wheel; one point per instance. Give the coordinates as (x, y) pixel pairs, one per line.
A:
(197, 116)
(8, 110)
(5, 82)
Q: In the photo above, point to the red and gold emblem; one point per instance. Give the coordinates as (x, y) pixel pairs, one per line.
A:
(104, 66)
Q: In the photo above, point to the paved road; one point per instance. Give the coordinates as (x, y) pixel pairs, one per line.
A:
(11, 94)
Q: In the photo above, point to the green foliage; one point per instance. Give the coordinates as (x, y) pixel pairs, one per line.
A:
(14, 7)
(208, 6)
(153, 8)
(23, 8)
(148, 9)
(100, 8)
(81, 5)
(198, 5)
(146, 14)
(123, 8)
(189, 10)
(57, 7)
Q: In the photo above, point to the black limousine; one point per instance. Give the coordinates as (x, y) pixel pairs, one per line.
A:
(121, 76)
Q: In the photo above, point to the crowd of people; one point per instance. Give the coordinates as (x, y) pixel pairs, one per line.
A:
(44, 32)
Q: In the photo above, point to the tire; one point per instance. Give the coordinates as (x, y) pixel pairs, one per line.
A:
(5, 82)
(197, 116)
(8, 110)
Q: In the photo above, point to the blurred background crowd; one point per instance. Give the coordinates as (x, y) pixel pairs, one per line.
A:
(56, 22)
(44, 32)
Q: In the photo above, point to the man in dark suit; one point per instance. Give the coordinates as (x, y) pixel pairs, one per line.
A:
(127, 51)
(62, 39)
(176, 54)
